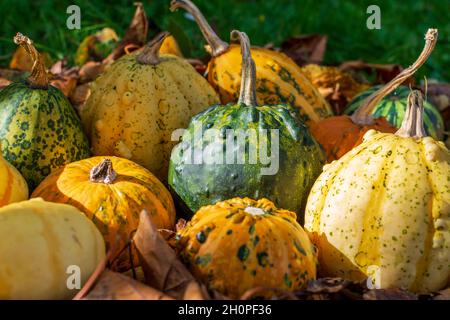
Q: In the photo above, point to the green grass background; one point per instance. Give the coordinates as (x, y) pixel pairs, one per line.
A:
(399, 40)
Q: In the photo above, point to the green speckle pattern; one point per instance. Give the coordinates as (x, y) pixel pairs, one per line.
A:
(300, 159)
(39, 131)
(243, 252)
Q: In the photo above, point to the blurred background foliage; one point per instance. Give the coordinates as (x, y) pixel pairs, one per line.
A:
(266, 21)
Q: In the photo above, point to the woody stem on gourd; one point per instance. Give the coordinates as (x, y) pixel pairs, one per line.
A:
(412, 124)
(38, 78)
(150, 52)
(103, 172)
(217, 45)
(247, 94)
(363, 116)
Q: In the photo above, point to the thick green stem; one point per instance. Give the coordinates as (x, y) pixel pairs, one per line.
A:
(38, 78)
(150, 52)
(216, 44)
(412, 124)
(363, 115)
(247, 94)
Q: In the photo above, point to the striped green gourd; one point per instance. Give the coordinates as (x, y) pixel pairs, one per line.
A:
(393, 108)
(299, 156)
(39, 129)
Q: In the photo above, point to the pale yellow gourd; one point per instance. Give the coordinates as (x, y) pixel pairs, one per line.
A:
(13, 186)
(383, 209)
(39, 241)
(140, 101)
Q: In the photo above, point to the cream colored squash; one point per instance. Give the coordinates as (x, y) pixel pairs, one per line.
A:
(383, 209)
(13, 186)
(39, 240)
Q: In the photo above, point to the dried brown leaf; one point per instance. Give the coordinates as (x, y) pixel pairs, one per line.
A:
(135, 36)
(65, 84)
(4, 82)
(389, 294)
(79, 96)
(383, 72)
(196, 291)
(90, 71)
(327, 285)
(161, 266)
(306, 49)
(115, 286)
(268, 293)
(443, 295)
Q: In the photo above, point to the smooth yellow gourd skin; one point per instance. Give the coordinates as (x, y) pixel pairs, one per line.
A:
(39, 241)
(13, 187)
(278, 80)
(383, 210)
(134, 109)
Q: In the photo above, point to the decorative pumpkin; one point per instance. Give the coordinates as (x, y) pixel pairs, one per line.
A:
(338, 135)
(393, 108)
(40, 130)
(111, 192)
(239, 244)
(383, 209)
(223, 152)
(43, 245)
(137, 103)
(13, 187)
(337, 86)
(279, 79)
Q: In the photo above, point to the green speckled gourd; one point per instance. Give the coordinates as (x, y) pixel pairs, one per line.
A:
(220, 157)
(393, 108)
(39, 129)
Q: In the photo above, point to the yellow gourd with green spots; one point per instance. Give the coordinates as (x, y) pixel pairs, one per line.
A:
(138, 103)
(279, 80)
(383, 209)
(239, 244)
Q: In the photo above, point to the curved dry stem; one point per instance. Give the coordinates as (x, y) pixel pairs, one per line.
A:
(412, 124)
(217, 45)
(38, 78)
(150, 52)
(247, 95)
(363, 115)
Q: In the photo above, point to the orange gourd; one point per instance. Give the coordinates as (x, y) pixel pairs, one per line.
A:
(112, 192)
(238, 244)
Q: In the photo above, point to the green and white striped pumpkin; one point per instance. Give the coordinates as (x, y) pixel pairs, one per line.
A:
(393, 108)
